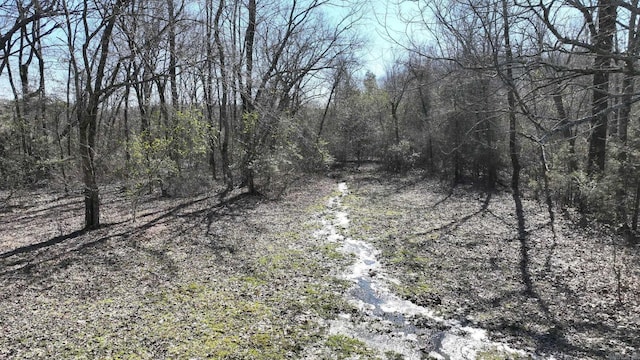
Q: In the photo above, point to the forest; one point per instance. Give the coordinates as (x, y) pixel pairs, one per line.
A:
(160, 159)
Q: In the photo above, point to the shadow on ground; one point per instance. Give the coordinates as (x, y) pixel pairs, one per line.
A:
(160, 225)
(465, 253)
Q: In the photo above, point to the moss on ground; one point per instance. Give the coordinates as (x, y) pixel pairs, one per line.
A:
(194, 320)
(497, 354)
(345, 347)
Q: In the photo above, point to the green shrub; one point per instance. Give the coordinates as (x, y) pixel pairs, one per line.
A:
(400, 157)
(170, 160)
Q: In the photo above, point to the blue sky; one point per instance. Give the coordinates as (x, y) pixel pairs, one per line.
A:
(388, 20)
(383, 24)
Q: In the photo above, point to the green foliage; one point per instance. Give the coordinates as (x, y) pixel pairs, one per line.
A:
(166, 158)
(190, 134)
(346, 347)
(400, 157)
(18, 170)
(606, 197)
(276, 167)
(272, 150)
(150, 163)
(390, 355)
(250, 123)
(357, 130)
(597, 196)
(316, 155)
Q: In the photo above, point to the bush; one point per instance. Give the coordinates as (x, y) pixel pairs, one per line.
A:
(276, 150)
(315, 155)
(597, 197)
(170, 162)
(400, 157)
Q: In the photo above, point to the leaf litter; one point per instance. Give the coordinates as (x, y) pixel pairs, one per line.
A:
(251, 278)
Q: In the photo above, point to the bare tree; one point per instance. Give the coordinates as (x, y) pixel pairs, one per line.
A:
(395, 84)
(301, 45)
(18, 17)
(225, 124)
(89, 48)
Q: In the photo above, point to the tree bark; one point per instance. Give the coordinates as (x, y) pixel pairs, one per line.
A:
(87, 120)
(247, 96)
(628, 89)
(173, 77)
(514, 152)
(88, 98)
(225, 126)
(334, 87)
(249, 39)
(603, 41)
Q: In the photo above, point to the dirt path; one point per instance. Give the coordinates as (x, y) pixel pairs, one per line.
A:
(456, 253)
(384, 321)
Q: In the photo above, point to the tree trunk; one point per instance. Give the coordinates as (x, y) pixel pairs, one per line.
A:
(224, 126)
(514, 153)
(63, 170)
(88, 98)
(567, 134)
(249, 42)
(396, 121)
(208, 85)
(334, 87)
(636, 207)
(424, 107)
(623, 130)
(173, 81)
(87, 120)
(628, 88)
(603, 41)
(247, 98)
